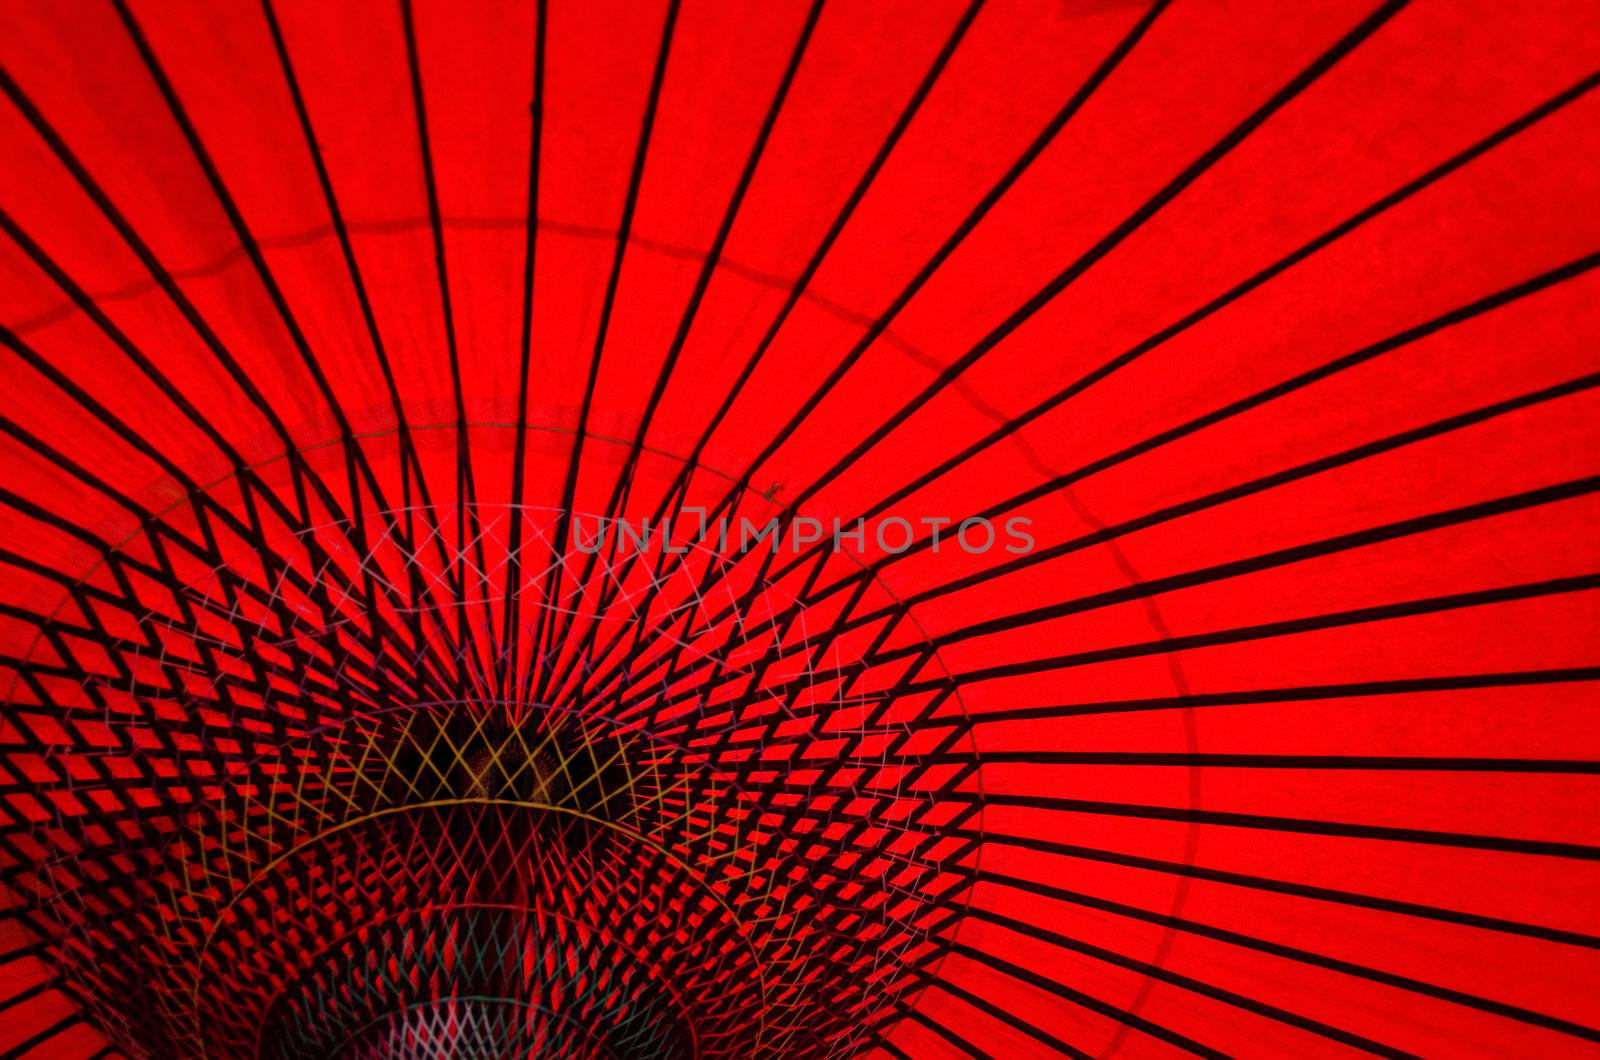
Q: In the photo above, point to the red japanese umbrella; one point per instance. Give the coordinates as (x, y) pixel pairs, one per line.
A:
(877, 528)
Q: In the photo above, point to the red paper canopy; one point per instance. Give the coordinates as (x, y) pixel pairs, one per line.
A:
(737, 530)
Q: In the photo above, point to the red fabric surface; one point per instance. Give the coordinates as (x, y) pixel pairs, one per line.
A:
(1278, 321)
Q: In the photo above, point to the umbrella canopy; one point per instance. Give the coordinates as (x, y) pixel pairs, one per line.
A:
(909, 528)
